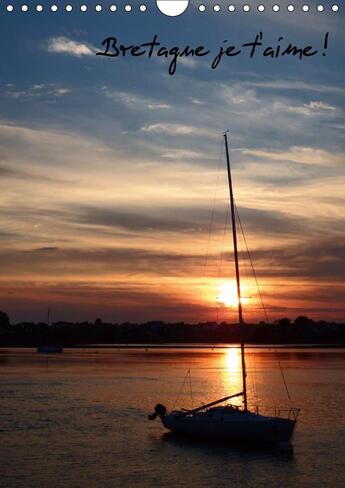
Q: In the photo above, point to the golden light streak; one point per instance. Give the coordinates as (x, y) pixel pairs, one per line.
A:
(232, 359)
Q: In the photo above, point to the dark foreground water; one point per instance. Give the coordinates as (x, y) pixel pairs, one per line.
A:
(79, 419)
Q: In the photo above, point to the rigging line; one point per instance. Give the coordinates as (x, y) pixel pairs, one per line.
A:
(179, 393)
(221, 257)
(190, 387)
(255, 386)
(212, 211)
(252, 265)
(220, 262)
(248, 312)
(282, 372)
(248, 309)
(244, 268)
(262, 302)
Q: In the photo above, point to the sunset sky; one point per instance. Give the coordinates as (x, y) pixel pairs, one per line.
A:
(111, 169)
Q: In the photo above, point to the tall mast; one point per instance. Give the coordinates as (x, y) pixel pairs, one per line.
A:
(237, 269)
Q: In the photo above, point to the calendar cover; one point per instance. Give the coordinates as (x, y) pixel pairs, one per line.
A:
(172, 177)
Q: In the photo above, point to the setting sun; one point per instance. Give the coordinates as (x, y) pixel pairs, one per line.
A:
(227, 294)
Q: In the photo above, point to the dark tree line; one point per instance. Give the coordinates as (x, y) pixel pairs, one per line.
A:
(302, 330)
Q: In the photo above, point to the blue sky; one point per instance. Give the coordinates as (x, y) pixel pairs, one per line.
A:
(110, 167)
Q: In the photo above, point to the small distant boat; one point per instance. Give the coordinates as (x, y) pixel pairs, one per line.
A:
(51, 348)
(230, 423)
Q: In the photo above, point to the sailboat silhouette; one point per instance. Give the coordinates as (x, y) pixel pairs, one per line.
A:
(230, 423)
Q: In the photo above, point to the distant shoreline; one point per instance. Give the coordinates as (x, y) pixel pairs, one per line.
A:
(187, 346)
(302, 332)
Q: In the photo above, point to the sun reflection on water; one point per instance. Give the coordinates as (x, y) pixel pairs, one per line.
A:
(232, 373)
(232, 359)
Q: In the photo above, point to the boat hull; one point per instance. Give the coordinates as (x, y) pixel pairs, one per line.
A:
(248, 430)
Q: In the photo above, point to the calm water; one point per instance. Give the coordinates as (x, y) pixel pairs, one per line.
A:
(79, 419)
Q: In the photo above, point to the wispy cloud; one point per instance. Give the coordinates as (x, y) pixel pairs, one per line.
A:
(41, 90)
(292, 85)
(189, 62)
(300, 155)
(71, 261)
(237, 96)
(134, 101)
(176, 129)
(196, 101)
(182, 154)
(64, 45)
(314, 108)
(323, 259)
(158, 106)
(138, 221)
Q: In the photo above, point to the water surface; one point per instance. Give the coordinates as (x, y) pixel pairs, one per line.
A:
(79, 419)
